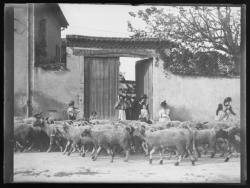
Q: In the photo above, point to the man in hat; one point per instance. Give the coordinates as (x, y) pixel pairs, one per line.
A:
(72, 111)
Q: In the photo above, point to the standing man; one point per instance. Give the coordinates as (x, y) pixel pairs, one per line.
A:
(120, 106)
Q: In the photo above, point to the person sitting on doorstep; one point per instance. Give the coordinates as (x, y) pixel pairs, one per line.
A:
(72, 111)
(164, 112)
(39, 122)
(143, 100)
(144, 116)
(219, 113)
(229, 113)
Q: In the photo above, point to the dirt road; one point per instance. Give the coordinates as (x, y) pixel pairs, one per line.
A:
(55, 167)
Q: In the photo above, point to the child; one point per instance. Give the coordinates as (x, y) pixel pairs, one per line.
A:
(144, 116)
(219, 113)
(72, 111)
(229, 113)
(164, 112)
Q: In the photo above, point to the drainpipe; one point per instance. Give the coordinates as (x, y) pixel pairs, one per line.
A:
(31, 59)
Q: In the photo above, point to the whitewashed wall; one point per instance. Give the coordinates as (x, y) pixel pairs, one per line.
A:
(192, 98)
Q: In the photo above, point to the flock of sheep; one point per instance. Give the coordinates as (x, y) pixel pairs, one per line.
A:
(183, 139)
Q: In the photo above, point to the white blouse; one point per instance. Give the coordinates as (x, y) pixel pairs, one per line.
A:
(164, 115)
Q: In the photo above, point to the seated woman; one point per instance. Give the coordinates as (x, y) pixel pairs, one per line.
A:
(219, 113)
(164, 112)
(72, 111)
(144, 116)
(93, 116)
(229, 113)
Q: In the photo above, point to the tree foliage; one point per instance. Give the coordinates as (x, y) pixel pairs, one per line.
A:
(196, 29)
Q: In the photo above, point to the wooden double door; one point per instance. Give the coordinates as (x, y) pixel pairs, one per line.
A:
(144, 81)
(101, 80)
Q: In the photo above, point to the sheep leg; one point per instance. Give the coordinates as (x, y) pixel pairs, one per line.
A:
(127, 155)
(191, 156)
(150, 155)
(179, 158)
(31, 146)
(198, 152)
(109, 151)
(112, 155)
(58, 145)
(229, 154)
(213, 150)
(161, 157)
(71, 149)
(170, 155)
(18, 145)
(82, 153)
(51, 141)
(93, 152)
(66, 147)
(145, 148)
(96, 154)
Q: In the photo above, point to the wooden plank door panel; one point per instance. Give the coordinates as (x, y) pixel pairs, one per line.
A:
(102, 87)
(144, 81)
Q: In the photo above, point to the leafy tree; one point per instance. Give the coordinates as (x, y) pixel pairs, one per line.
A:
(197, 28)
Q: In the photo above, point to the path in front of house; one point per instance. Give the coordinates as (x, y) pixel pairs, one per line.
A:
(55, 167)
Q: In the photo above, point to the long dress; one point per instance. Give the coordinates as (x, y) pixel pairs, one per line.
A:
(164, 115)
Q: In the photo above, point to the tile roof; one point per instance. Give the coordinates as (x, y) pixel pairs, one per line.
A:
(117, 42)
